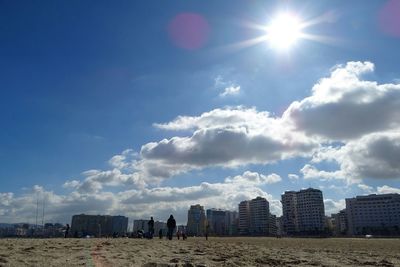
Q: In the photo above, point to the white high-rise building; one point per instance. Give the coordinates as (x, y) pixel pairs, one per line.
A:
(373, 214)
(303, 212)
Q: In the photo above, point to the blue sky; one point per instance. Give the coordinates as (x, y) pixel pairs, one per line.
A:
(92, 93)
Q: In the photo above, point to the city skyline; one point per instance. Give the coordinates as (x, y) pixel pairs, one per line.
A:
(137, 108)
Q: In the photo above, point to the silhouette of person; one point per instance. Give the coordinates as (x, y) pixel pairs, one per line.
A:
(207, 229)
(151, 227)
(66, 231)
(178, 234)
(160, 235)
(171, 224)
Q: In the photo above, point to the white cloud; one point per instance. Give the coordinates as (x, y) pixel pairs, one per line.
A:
(254, 178)
(385, 189)
(368, 189)
(230, 91)
(344, 107)
(332, 206)
(138, 203)
(311, 172)
(293, 177)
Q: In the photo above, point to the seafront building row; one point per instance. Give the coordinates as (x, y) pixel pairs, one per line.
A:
(303, 214)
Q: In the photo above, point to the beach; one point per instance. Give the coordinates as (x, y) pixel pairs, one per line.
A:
(196, 251)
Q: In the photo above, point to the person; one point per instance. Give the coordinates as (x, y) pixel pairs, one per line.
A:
(207, 229)
(66, 231)
(160, 233)
(171, 224)
(151, 227)
(178, 234)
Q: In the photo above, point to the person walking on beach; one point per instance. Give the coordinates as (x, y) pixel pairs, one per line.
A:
(171, 224)
(151, 227)
(66, 231)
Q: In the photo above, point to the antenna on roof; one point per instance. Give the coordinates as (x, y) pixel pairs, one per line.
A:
(37, 209)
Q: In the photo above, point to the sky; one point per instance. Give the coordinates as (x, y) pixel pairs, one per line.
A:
(143, 108)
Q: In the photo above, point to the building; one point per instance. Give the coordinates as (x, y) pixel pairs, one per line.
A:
(340, 223)
(244, 217)
(216, 220)
(373, 214)
(273, 225)
(289, 221)
(98, 225)
(231, 222)
(196, 224)
(303, 212)
(254, 217)
(259, 216)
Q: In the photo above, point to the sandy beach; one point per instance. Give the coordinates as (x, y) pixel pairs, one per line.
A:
(240, 251)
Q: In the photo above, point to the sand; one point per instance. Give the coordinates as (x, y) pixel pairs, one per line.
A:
(235, 251)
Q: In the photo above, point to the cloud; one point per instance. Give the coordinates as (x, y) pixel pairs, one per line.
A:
(311, 172)
(137, 203)
(385, 189)
(368, 189)
(332, 206)
(293, 177)
(230, 91)
(343, 107)
(254, 178)
(223, 137)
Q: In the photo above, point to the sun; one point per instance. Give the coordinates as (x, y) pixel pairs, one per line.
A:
(283, 31)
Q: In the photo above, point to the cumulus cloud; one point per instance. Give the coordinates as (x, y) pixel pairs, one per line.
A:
(311, 172)
(332, 206)
(293, 177)
(343, 106)
(230, 91)
(385, 189)
(225, 137)
(138, 203)
(254, 178)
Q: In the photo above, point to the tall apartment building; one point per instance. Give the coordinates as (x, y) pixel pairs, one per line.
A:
(303, 212)
(259, 216)
(254, 217)
(373, 214)
(98, 225)
(196, 223)
(340, 223)
(244, 217)
(289, 219)
(216, 220)
(231, 222)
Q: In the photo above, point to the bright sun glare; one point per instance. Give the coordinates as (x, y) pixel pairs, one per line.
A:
(283, 31)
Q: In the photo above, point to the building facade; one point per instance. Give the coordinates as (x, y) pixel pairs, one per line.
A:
(196, 224)
(303, 212)
(244, 217)
(340, 223)
(373, 214)
(259, 216)
(216, 220)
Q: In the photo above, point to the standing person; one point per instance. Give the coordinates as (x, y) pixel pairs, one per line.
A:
(160, 233)
(171, 224)
(151, 227)
(178, 234)
(66, 231)
(207, 229)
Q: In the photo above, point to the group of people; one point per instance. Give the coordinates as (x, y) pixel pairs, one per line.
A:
(171, 225)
